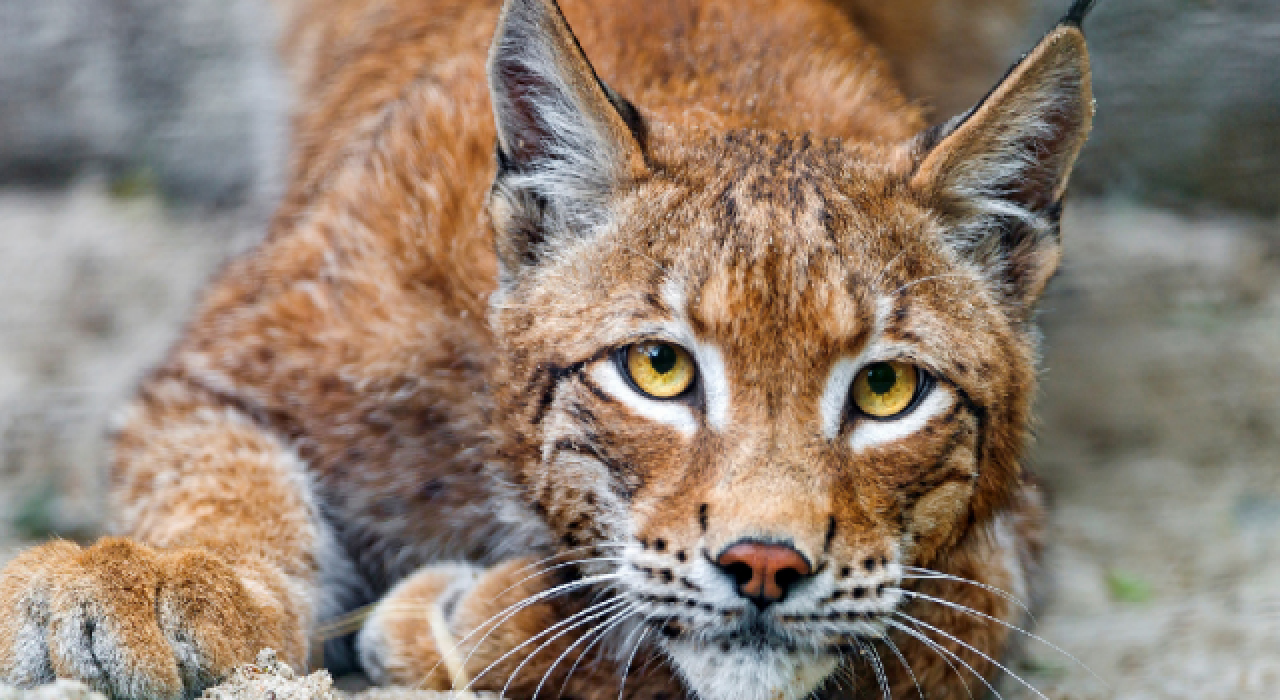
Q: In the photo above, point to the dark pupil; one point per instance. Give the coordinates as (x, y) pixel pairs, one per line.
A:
(662, 358)
(881, 378)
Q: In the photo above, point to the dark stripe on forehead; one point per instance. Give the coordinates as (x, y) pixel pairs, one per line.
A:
(795, 196)
(654, 300)
(825, 218)
(901, 308)
(728, 205)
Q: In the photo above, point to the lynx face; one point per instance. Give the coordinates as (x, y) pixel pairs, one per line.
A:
(761, 375)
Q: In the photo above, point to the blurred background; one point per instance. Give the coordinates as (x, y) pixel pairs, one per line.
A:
(144, 141)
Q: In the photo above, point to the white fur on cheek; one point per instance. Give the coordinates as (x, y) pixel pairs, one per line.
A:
(870, 433)
(672, 413)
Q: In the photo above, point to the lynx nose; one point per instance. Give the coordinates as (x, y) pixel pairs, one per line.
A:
(764, 573)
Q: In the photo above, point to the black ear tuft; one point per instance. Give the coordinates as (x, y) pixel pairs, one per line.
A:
(1079, 10)
(629, 114)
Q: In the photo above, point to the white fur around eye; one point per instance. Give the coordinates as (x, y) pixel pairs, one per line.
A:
(715, 384)
(836, 394)
(872, 433)
(673, 413)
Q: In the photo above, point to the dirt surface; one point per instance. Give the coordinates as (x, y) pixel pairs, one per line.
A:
(60, 690)
(266, 679)
(1160, 440)
(1159, 434)
(93, 288)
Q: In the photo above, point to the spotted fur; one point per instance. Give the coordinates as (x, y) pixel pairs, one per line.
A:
(410, 393)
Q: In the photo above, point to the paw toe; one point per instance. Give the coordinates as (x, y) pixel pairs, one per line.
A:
(126, 619)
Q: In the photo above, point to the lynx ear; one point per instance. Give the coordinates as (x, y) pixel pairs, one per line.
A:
(565, 140)
(1000, 171)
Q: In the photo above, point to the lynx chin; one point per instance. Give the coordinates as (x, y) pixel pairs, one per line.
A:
(667, 355)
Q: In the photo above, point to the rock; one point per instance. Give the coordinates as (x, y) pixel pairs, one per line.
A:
(267, 678)
(270, 679)
(58, 690)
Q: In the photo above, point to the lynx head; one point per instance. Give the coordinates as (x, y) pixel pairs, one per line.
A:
(761, 373)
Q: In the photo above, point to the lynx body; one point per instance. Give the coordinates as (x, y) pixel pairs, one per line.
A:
(713, 382)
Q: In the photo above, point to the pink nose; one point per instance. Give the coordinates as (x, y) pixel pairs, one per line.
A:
(764, 573)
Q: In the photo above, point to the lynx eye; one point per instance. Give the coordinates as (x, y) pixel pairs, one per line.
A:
(885, 389)
(660, 370)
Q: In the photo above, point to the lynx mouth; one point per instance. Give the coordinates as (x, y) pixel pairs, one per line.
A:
(694, 606)
(726, 647)
(757, 660)
(830, 633)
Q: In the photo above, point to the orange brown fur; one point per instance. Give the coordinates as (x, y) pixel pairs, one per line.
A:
(413, 370)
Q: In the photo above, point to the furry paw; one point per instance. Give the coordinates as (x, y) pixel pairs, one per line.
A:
(127, 619)
(408, 639)
(505, 628)
(455, 625)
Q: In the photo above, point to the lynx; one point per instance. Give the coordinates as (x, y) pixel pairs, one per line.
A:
(712, 380)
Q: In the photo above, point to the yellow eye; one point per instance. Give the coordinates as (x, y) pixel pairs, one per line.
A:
(885, 389)
(661, 370)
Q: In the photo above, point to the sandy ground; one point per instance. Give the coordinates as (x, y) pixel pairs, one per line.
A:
(1160, 439)
(1159, 434)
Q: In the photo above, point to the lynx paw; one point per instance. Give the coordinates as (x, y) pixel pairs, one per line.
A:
(127, 619)
(400, 643)
(456, 624)
(497, 629)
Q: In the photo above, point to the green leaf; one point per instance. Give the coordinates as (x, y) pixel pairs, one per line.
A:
(1127, 587)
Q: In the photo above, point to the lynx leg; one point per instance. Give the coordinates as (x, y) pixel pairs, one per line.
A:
(221, 562)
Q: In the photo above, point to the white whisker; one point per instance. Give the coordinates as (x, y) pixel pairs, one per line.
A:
(875, 284)
(549, 569)
(626, 670)
(511, 610)
(571, 620)
(973, 649)
(566, 552)
(601, 610)
(1015, 628)
(622, 612)
(946, 655)
(603, 633)
(877, 667)
(938, 575)
(903, 660)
